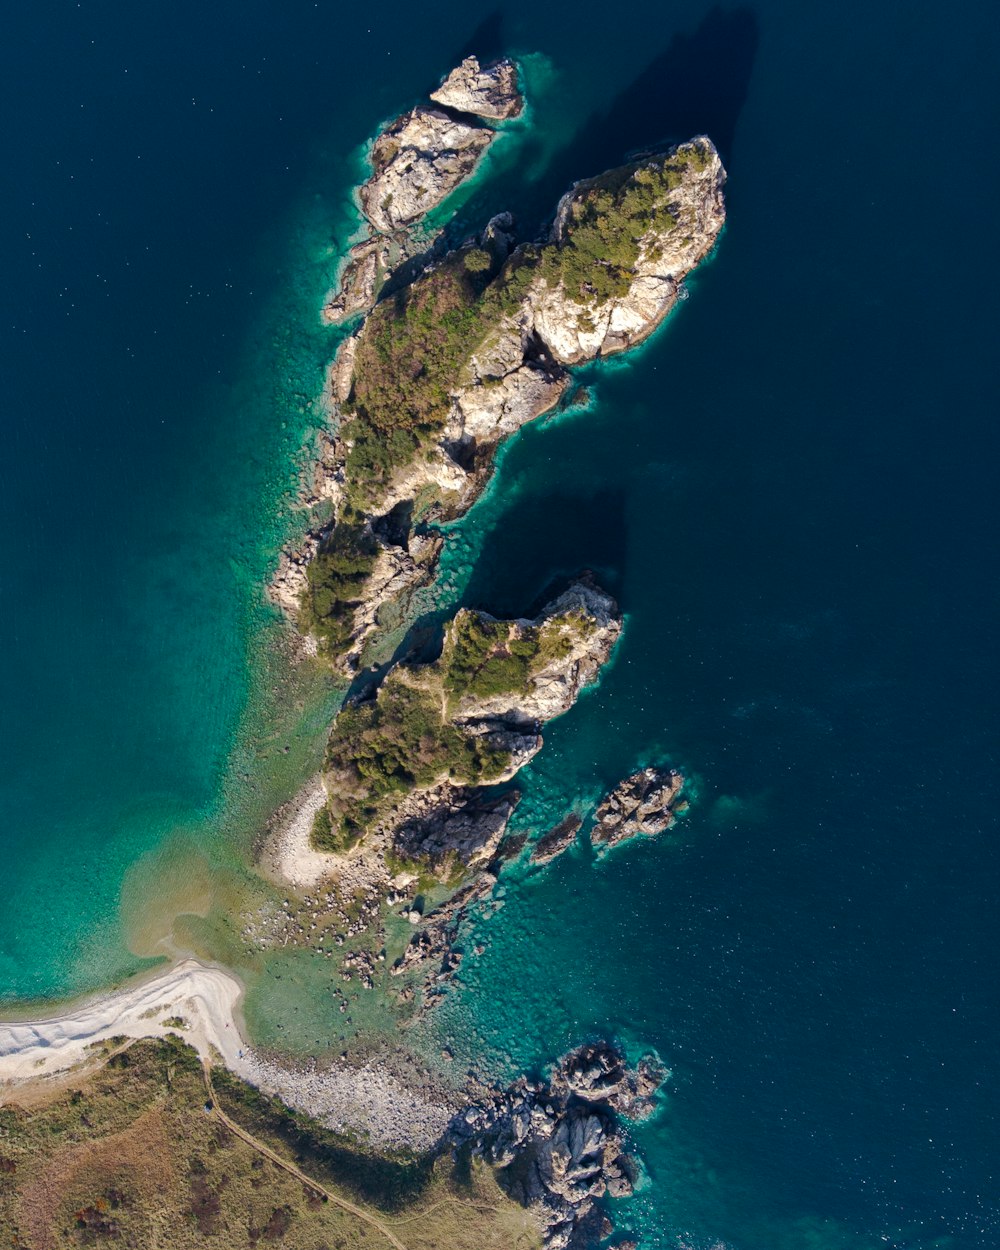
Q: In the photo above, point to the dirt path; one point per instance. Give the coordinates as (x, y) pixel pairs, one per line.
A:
(292, 1170)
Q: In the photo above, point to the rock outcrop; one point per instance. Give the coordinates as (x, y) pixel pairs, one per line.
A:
(418, 160)
(576, 326)
(645, 804)
(589, 624)
(456, 822)
(493, 92)
(536, 310)
(484, 699)
(557, 840)
(558, 1144)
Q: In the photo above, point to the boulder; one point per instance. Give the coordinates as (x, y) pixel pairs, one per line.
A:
(418, 160)
(492, 92)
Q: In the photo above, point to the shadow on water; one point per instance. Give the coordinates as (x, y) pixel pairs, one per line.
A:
(697, 85)
(515, 575)
(486, 41)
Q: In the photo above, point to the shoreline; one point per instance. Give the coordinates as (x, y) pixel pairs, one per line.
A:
(370, 1102)
(287, 855)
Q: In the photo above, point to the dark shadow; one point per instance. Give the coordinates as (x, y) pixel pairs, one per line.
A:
(541, 543)
(486, 42)
(697, 85)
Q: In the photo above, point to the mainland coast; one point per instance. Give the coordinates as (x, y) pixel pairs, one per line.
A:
(448, 348)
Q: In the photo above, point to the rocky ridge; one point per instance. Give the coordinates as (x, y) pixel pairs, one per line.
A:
(556, 308)
(643, 805)
(558, 1144)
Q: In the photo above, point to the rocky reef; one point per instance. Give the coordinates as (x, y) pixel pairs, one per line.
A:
(643, 805)
(558, 1143)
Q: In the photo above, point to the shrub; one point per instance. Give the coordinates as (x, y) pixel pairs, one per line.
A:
(337, 575)
(607, 222)
(396, 743)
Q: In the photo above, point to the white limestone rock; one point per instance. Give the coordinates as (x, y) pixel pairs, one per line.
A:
(493, 92)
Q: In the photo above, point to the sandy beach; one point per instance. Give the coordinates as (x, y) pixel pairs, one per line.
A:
(368, 1101)
(287, 854)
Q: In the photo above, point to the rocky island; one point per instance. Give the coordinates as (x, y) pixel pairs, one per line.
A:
(473, 343)
(454, 349)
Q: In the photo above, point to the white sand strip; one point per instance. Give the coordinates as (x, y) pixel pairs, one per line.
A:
(203, 995)
(289, 855)
(369, 1101)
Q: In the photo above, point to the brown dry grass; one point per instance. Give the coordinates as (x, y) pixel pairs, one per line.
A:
(128, 1159)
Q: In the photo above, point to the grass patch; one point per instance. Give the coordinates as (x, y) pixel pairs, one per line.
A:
(129, 1158)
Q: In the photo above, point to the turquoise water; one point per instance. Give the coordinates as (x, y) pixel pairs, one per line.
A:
(789, 489)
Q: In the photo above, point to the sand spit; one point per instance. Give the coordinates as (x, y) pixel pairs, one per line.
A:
(369, 1101)
(288, 854)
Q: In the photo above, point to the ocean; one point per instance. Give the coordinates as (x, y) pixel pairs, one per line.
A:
(789, 489)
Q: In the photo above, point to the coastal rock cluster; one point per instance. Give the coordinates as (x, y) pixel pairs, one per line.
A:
(417, 161)
(493, 92)
(454, 348)
(475, 342)
(645, 804)
(558, 1144)
(412, 766)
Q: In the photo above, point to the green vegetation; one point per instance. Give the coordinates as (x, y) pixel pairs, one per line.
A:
(336, 579)
(127, 1157)
(485, 657)
(407, 739)
(410, 356)
(607, 221)
(397, 743)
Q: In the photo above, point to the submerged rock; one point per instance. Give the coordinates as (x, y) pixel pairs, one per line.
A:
(556, 840)
(646, 804)
(492, 92)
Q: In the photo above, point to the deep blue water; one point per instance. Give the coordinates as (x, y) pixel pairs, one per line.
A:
(790, 489)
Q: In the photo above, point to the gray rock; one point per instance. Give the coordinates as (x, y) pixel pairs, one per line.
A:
(645, 804)
(558, 1145)
(454, 822)
(418, 160)
(492, 92)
